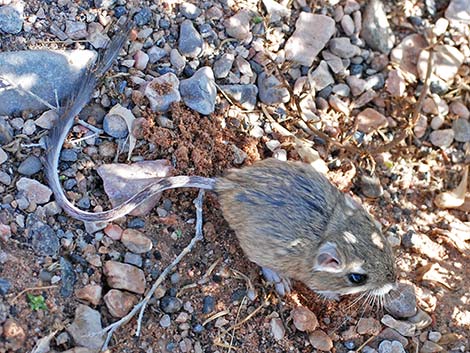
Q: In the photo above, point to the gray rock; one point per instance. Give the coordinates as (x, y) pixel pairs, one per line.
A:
(442, 138)
(30, 166)
(6, 131)
(343, 48)
(170, 305)
(86, 327)
(68, 155)
(371, 186)
(162, 92)
(223, 65)
(5, 179)
(199, 92)
(165, 321)
(3, 156)
(5, 286)
(461, 129)
(391, 347)
(459, 10)
(190, 11)
(133, 259)
(177, 60)
(238, 26)
(34, 190)
(190, 42)
(376, 30)
(155, 54)
(312, 33)
(47, 119)
(69, 278)
(42, 72)
(76, 30)
(105, 4)
(44, 239)
(143, 16)
(11, 18)
(271, 91)
(402, 302)
(275, 10)
(246, 95)
(115, 126)
(321, 76)
(402, 327)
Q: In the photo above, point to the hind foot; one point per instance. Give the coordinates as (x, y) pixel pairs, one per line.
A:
(281, 284)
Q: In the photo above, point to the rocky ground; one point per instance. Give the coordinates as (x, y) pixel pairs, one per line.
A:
(375, 94)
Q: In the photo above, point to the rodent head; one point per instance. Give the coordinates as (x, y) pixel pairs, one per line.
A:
(354, 256)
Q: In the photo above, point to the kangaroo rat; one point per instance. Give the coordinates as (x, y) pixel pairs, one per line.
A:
(288, 218)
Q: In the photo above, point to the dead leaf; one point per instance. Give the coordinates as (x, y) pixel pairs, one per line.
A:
(433, 272)
(454, 198)
(459, 234)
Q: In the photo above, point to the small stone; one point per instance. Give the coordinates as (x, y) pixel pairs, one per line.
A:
(404, 328)
(124, 276)
(4, 157)
(190, 42)
(156, 54)
(14, 334)
(446, 62)
(76, 30)
(368, 326)
(47, 119)
(5, 179)
(69, 278)
(304, 319)
(5, 286)
(31, 165)
(11, 18)
(437, 122)
(396, 84)
(238, 26)
(421, 320)
(376, 29)
(143, 17)
(442, 138)
(407, 52)
(343, 48)
(208, 304)
(113, 231)
(371, 186)
(370, 120)
(136, 241)
(115, 126)
(347, 24)
(277, 329)
(271, 91)
(402, 302)
(390, 334)
(239, 156)
(141, 60)
(461, 129)
(165, 321)
(320, 340)
(275, 10)
(190, 11)
(133, 259)
(303, 47)
(434, 336)
(68, 155)
(243, 94)
(459, 10)
(338, 105)
(199, 92)
(223, 65)
(34, 191)
(119, 303)
(321, 76)
(391, 347)
(170, 304)
(430, 347)
(459, 109)
(90, 293)
(86, 327)
(162, 92)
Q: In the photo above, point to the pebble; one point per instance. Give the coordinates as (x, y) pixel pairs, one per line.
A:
(277, 328)
(133, 259)
(119, 303)
(391, 347)
(30, 166)
(347, 24)
(320, 340)
(430, 347)
(434, 336)
(6, 131)
(442, 138)
(85, 328)
(124, 276)
(321, 76)
(141, 60)
(238, 26)
(376, 29)
(368, 326)
(34, 191)
(11, 18)
(343, 48)
(437, 122)
(76, 30)
(5, 286)
(461, 129)
(370, 120)
(446, 62)
(271, 91)
(14, 334)
(113, 231)
(421, 320)
(371, 186)
(402, 304)
(245, 95)
(302, 47)
(68, 277)
(357, 85)
(406, 53)
(44, 239)
(165, 321)
(5, 179)
(395, 83)
(170, 304)
(162, 92)
(223, 65)
(50, 68)
(177, 60)
(208, 304)
(404, 328)
(115, 126)
(304, 319)
(68, 155)
(199, 92)
(459, 10)
(156, 54)
(190, 42)
(190, 11)
(90, 293)
(459, 109)
(143, 17)
(3, 156)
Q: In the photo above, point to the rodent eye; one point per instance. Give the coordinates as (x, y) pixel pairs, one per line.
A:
(357, 278)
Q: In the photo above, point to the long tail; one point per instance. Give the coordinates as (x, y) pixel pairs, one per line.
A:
(58, 134)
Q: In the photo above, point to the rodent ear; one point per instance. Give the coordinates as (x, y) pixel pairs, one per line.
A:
(328, 258)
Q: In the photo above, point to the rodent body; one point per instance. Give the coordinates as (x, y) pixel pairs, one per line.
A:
(288, 217)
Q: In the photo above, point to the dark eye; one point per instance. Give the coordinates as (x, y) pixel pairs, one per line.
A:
(357, 278)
